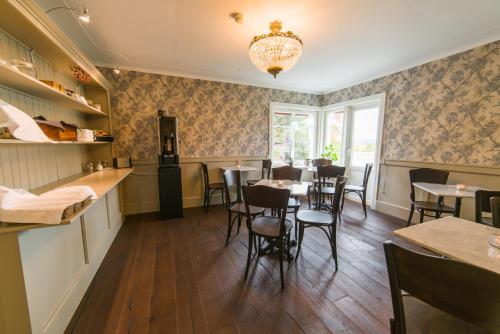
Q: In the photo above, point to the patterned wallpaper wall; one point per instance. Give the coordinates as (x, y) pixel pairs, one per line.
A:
(446, 111)
(215, 119)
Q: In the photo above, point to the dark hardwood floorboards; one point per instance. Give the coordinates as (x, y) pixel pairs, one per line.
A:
(177, 276)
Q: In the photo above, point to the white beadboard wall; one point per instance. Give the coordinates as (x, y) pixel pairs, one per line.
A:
(30, 166)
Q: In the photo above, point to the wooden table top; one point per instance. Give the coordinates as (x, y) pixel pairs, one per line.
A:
(297, 188)
(449, 190)
(456, 239)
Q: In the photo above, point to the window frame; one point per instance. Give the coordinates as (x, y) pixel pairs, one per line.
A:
(316, 111)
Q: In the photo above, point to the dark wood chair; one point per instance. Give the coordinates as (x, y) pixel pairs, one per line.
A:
(232, 182)
(266, 172)
(312, 188)
(440, 295)
(326, 221)
(495, 211)
(483, 205)
(428, 175)
(325, 186)
(275, 229)
(210, 188)
(291, 174)
(359, 190)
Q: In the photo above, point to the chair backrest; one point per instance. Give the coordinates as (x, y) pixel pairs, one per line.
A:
(287, 173)
(483, 202)
(428, 175)
(329, 172)
(495, 211)
(204, 169)
(321, 162)
(231, 180)
(266, 168)
(266, 197)
(462, 290)
(366, 176)
(339, 191)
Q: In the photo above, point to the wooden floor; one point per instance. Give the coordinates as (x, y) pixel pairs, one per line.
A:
(176, 276)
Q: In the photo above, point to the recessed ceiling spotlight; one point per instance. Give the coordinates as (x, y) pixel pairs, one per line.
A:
(237, 17)
(117, 70)
(83, 13)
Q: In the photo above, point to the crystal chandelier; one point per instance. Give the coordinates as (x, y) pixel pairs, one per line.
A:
(275, 52)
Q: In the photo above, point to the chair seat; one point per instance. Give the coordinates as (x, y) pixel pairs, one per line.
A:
(252, 182)
(328, 190)
(421, 318)
(216, 185)
(293, 203)
(350, 187)
(433, 206)
(314, 217)
(239, 207)
(269, 226)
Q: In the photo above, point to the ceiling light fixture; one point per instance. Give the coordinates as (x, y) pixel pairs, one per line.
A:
(277, 51)
(117, 70)
(83, 14)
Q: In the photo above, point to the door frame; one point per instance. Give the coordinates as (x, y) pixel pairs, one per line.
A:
(378, 99)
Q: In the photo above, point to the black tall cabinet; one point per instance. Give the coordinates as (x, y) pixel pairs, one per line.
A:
(169, 171)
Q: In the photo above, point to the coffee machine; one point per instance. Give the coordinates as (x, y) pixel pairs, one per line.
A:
(169, 171)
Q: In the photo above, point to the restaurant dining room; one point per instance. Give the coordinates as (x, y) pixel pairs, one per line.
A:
(249, 166)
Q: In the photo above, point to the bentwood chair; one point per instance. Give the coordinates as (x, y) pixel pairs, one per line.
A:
(316, 163)
(428, 175)
(266, 172)
(232, 182)
(440, 295)
(359, 190)
(483, 205)
(275, 229)
(326, 221)
(210, 188)
(325, 185)
(290, 174)
(495, 211)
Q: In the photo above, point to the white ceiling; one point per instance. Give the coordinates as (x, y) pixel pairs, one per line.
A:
(345, 41)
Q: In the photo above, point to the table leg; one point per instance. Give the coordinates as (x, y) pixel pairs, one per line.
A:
(458, 204)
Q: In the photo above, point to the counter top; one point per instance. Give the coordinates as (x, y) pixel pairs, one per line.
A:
(102, 182)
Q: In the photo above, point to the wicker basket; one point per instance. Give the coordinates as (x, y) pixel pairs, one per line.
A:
(74, 208)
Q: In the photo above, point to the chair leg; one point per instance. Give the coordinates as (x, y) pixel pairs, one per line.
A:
(422, 211)
(412, 209)
(288, 246)
(301, 236)
(363, 201)
(250, 243)
(295, 211)
(309, 197)
(229, 227)
(333, 245)
(280, 250)
(342, 204)
(239, 224)
(205, 199)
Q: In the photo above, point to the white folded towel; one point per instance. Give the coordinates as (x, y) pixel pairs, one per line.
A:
(21, 206)
(20, 125)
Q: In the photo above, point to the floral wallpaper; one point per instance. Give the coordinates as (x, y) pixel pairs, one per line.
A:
(446, 111)
(215, 119)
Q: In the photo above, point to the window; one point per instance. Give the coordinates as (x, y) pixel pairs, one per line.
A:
(364, 136)
(334, 133)
(293, 133)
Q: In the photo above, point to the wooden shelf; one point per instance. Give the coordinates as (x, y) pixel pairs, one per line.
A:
(13, 78)
(101, 182)
(18, 141)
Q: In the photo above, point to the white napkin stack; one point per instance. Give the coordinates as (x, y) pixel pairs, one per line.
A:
(20, 125)
(21, 206)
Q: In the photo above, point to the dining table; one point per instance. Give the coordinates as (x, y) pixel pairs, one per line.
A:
(457, 239)
(241, 169)
(448, 190)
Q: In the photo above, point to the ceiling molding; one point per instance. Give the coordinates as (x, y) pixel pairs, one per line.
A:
(199, 77)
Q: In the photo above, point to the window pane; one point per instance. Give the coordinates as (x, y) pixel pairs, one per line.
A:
(294, 134)
(364, 138)
(334, 134)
